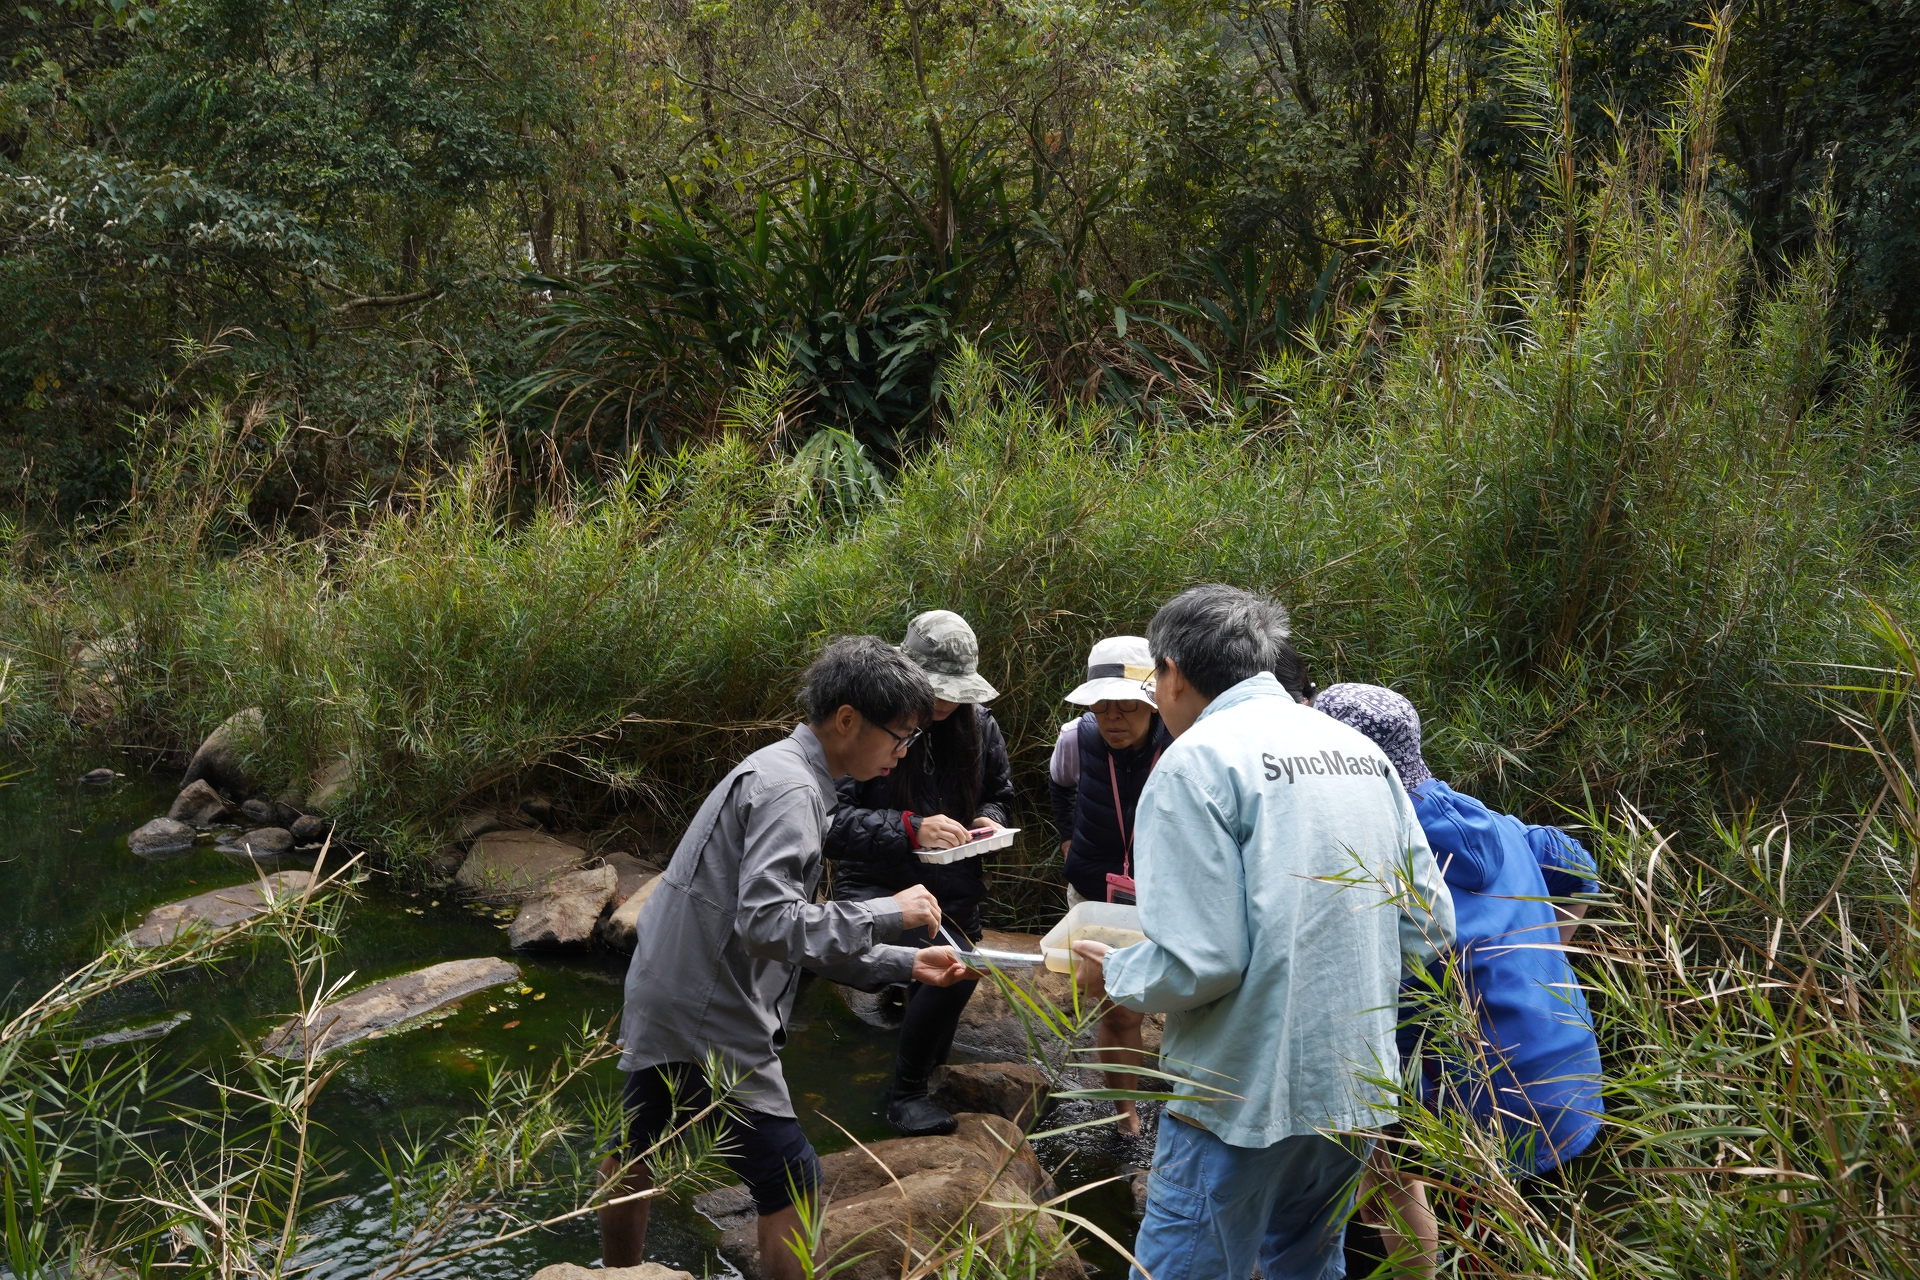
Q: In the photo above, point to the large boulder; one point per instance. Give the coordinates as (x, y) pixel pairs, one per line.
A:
(1015, 1091)
(645, 1271)
(216, 909)
(621, 927)
(565, 915)
(332, 786)
(221, 759)
(897, 1200)
(372, 1010)
(199, 804)
(162, 835)
(512, 866)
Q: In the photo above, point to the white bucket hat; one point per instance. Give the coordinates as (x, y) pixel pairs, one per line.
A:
(1117, 670)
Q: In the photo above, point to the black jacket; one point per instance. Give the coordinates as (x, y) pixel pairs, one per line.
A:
(873, 848)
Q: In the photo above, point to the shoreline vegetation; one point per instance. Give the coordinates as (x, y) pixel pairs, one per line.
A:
(1630, 527)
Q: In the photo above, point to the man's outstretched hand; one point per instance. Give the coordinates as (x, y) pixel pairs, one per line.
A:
(937, 967)
(919, 909)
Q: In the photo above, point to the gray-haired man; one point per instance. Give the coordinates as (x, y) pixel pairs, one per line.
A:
(723, 939)
(1283, 879)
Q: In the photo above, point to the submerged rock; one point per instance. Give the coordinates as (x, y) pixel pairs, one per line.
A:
(199, 804)
(97, 777)
(894, 1200)
(134, 1035)
(216, 909)
(388, 1004)
(265, 842)
(645, 1271)
(512, 866)
(1015, 1091)
(566, 914)
(219, 759)
(162, 835)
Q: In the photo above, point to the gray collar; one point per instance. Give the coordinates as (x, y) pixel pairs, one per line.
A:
(816, 757)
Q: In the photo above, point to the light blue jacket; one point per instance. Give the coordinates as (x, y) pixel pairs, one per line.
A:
(1284, 885)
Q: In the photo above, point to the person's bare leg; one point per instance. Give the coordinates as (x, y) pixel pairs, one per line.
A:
(623, 1227)
(1120, 1031)
(778, 1234)
(1405, 1222)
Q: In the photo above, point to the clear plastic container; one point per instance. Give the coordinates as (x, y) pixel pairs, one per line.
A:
(1109, 922)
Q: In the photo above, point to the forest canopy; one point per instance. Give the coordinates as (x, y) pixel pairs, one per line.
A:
(391, 226)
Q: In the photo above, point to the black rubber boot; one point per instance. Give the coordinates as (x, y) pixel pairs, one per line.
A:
(912, 1113)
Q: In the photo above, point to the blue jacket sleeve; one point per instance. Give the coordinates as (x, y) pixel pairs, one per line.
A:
(1566, 864)
(1192, 901)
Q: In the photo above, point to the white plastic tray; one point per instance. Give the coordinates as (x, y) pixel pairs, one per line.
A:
(1001, 839)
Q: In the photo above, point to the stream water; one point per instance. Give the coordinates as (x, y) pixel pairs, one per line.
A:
(68, 882)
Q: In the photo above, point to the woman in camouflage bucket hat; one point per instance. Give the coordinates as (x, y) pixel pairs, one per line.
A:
(954, 779)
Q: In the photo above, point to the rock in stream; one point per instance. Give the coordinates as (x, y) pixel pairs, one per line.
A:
(372, 1010)
(215, 909)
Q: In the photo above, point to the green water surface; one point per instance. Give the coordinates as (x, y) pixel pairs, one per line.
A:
(68, 882)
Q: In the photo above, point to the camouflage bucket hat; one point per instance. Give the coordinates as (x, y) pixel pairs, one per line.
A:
(943, 645)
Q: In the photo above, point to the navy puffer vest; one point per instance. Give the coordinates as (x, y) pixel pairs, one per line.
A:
(1095, 847)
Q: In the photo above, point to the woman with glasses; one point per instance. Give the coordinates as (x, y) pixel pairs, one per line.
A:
(951, 779)
(1100, 763)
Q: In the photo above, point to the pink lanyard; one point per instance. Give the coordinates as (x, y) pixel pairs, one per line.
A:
(1120, 815)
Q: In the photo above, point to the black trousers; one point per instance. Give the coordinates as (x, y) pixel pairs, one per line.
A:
(926, 1033)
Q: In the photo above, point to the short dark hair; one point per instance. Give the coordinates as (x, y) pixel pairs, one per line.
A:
(1290, 669)
(1217, 635)
(871, 676)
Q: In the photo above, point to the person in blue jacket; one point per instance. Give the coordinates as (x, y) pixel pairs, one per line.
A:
(1536, 1071)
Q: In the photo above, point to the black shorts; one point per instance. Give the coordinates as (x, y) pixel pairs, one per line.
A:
(768, 1153)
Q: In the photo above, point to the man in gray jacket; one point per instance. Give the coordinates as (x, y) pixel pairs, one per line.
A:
(724, 936)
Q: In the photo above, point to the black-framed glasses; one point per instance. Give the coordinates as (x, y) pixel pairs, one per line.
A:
(901, 743)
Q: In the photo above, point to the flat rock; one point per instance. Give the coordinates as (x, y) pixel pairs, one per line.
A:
(97, 777)
(645, 1271)
(565, 915)
(220, 759)
(1015, 1091)
(512, 866)
(215, 909)
(620, 929)
(371, 1010)
(199, 804)
(162, 835)
(894, 1200)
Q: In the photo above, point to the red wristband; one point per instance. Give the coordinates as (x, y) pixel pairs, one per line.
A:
(913, 832)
